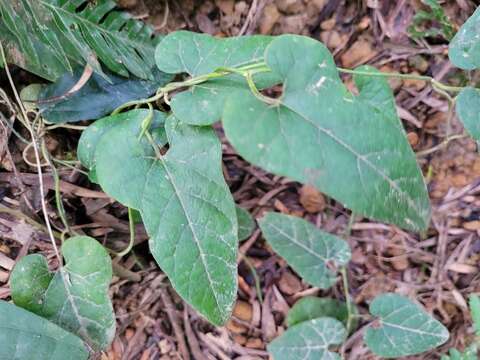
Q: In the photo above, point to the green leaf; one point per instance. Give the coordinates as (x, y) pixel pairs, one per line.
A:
(469, 354)
(474, 303)
(50, 37)
(464, 49)
(468, 110)
(97, 97)
(76, 296)
(311, 307)
(91, 136)
(200, 54)
(309, 251)
(185, 204)
(403, 328)
(26, 336)
(309, 340)
(246, 224)
(321, 134)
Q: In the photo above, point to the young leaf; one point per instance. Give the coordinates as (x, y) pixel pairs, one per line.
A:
(464, 49)
(246, 224)
(76, 296)
(468, 110)
(200, 54)
(307, 249)
(185, 204)
(403, 328)
(321, 134)
(97, 97)
(50, 37)
(24, 336)
(309, 340)
(311, 307)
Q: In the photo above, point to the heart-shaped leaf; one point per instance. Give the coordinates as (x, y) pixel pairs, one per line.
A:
(246, 224)
(26, 336)
(403, 328)
(184, 202)
(76, 296)
(308, 250)
(464, 49)
(309, 340)
(311, 307)
(468, 110)
(97, 97)
(319, 133)
(200, 54)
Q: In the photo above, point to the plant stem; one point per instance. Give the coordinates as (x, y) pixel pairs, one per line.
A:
(343, 271)
(437, 85)
(131, 227)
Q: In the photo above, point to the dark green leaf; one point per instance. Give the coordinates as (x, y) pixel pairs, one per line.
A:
(97, 97)
(76, 296)
(311, 307)
(321, 134)
(246, 224)
(26, 336)
(403, 328)
(50, 37)
(308, 250)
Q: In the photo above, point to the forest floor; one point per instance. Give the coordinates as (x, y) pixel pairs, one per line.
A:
(439, 267)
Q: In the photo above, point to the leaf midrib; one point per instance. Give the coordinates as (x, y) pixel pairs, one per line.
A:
(194, 234)
(360, 157)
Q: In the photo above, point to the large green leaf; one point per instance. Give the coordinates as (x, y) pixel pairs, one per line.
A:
(403, 328)
(309, 251)
(309, 340)
(97, 97)
(319, 133)
(76, 296)
(49, 37)
(311, 307)
(184, 201)
(468, 110)
(26, 336)
(464, 49)
(200, 54)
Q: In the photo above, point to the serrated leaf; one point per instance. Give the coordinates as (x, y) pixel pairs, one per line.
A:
(319, 133)
(26, 336)
(309, 251)
(311, 307)
(76, 296)
(403, 328)
(97, 97)
(50, 37)
(309, 340)
(185, 204)
(246, 224)
(468, 110)
(200, 54)
(464, 49)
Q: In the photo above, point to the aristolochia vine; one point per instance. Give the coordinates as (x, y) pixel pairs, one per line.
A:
(167, 166)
